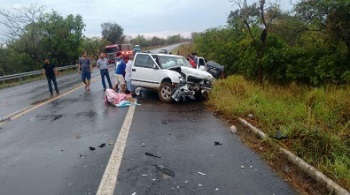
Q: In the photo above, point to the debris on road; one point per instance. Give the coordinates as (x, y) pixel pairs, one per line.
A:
(200, 185)
(217, 144)
(250, 116)
(5, 119)
(77, 137)
(133, 193)
(233, 129)
(164, 170)
(92, 148)
(201, 173)
(151, 155)
(82, 155)
(242, 167)
(102, 145)
(111, 143)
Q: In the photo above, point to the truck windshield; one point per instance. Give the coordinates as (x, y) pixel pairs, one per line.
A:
(137, 48)
(111, 49)
(167, 62)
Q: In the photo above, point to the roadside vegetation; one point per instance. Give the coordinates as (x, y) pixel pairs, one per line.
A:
(291, 72)
(312, 122)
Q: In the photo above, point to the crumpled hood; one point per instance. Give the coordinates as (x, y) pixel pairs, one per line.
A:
(200, 74)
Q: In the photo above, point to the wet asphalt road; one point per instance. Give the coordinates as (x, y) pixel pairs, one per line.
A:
(63, 147)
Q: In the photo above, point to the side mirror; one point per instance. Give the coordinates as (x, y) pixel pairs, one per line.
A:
(155, 66)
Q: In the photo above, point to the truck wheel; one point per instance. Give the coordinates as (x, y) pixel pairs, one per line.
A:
(165, 91)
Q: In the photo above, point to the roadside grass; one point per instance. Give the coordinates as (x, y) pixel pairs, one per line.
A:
(316, 121)
(11, 83)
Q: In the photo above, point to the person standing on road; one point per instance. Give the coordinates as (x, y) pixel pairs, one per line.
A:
(50, 71)
(128, 73)
(102, 64)
(85, 69)
(119, 72)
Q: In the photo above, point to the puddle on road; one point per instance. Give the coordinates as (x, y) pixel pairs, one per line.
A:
(39, 101)
(61, 102)
(51, 117)
(89, 114)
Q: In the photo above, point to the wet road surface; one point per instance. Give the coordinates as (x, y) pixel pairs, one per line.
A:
(63, 147)
(48, 150)
(197, 152)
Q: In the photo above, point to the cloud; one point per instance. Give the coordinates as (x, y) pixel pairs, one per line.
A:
(147, 17)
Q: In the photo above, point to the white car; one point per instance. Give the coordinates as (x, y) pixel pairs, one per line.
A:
(171, 75)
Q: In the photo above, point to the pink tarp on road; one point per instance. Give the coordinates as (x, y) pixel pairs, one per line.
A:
(115, 98)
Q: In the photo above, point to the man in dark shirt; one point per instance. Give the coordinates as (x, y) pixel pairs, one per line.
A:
(85, 69)
(50, 72)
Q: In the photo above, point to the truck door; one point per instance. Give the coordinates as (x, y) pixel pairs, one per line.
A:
(201, 62)
(145, 72)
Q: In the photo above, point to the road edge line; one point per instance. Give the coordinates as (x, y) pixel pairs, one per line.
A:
(109, 178)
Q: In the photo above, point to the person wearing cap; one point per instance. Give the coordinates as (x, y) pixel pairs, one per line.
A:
(85, 69)
(119, 72)
(102, 64)
(50, 72)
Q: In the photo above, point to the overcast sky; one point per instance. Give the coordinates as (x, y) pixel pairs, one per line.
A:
(147, 17)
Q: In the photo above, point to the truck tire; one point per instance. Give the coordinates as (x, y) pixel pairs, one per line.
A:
(165, 92)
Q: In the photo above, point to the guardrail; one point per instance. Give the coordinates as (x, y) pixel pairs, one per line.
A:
(32, 73)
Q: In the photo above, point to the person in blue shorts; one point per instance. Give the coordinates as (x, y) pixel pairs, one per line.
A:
(85, 69)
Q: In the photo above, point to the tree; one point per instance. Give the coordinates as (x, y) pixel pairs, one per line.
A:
(62, 37)
(256, 18)
(140, 40)
(112, 32)
(93, 46)
(331, 17)
(24, 30)
(33, 34)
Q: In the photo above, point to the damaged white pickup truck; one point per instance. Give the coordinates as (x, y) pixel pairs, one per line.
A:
(171, 75)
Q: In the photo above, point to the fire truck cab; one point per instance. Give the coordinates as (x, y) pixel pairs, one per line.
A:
(111, 51)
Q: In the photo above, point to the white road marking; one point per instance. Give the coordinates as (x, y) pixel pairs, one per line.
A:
(109, 178)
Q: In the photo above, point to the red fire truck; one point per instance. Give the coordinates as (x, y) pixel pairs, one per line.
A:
(111, 50)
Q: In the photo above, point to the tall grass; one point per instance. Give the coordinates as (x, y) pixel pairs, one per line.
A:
(316, 120)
